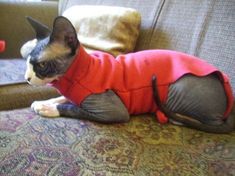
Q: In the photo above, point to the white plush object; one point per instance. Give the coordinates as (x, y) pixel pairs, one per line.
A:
(107, 28)
(28, 47)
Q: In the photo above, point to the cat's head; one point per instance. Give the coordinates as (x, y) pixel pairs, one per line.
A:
(50, 54)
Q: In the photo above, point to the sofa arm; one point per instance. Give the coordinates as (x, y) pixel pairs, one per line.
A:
(14, 28)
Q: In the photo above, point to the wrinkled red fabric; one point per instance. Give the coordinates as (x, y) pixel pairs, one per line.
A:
(130, 75)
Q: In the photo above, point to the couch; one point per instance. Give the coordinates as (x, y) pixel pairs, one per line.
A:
(33, 145)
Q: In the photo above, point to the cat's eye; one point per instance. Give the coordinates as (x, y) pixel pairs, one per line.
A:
(42, 64)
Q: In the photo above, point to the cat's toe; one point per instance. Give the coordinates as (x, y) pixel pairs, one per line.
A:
(46, 110)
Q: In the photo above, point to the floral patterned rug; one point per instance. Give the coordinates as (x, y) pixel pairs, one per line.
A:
(33, 146)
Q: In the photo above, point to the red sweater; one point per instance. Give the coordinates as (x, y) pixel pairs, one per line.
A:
(130, 75)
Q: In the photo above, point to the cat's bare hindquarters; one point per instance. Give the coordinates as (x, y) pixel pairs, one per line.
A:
(48, 108)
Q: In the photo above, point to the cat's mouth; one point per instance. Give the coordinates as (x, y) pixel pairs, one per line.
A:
(41, 82)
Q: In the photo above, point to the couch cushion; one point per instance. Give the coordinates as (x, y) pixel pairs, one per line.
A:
(22, 95)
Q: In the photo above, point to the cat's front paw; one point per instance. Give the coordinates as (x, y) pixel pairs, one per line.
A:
(45, 108)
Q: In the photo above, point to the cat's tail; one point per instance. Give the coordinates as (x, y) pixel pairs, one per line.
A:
(227, 127)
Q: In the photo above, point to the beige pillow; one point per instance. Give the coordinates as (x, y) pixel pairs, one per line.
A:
(106, 28)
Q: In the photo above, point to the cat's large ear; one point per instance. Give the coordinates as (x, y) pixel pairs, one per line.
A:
(63, 32)
(41, 30)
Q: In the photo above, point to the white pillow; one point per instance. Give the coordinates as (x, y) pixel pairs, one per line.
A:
(107, 28)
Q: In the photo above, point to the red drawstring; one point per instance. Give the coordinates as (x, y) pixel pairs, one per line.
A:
(161, 117)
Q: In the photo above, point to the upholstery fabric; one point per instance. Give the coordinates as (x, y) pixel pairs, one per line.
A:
(110, 29)
(32, 145)
(22, 95)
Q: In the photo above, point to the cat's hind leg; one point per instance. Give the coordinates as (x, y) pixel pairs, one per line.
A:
(197, 102)
(202, 98)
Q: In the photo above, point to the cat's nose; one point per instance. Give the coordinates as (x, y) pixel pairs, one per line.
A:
(28, 79)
